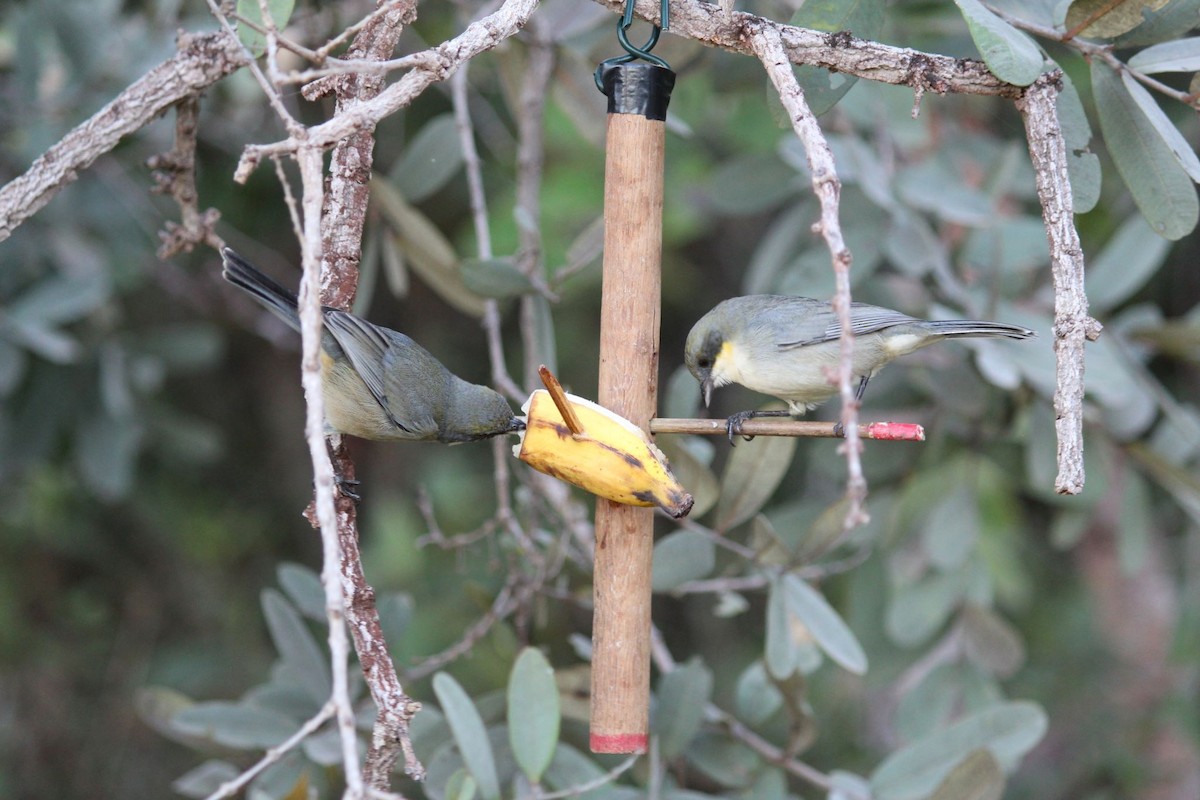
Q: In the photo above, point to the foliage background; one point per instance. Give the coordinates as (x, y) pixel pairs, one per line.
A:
(153, 467)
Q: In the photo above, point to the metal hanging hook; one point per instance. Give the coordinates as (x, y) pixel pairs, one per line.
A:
(632, 51)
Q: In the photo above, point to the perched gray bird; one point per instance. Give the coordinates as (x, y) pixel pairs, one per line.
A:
(788, 347)
(379, 384)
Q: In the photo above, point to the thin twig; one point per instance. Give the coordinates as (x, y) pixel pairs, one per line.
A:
(232, 787)
(883, 431)
(596, 782)
(768, 46)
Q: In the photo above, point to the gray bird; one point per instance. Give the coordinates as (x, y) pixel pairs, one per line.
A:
(378, 383)
(788, 347)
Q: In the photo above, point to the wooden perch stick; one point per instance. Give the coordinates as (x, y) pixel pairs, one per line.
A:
(884, 431)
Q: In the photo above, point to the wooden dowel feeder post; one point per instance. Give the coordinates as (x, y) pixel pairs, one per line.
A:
(638, 94)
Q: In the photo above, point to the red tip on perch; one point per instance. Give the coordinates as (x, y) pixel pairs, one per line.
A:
(894, 431)
(619, 742)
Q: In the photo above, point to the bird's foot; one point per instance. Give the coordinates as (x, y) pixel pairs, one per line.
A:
(733, 425)
(839, 430)
(348, 487)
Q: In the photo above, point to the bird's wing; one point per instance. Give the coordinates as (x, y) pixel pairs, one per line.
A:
(821, 324)
(367, 347)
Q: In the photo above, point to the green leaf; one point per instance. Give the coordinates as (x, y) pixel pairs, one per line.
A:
(495, 277)
(234, 725)
(976, 777)
(303, 587)
(533, 713)
(59, 300)
(691, 471)
(782, 649)
(724, 760)
(460, 786)
(1175, 19)
(430, 160)
(862, 18)
(752, 474)
(756, 697)
(990, 642)
(1107, 19)
(1008, 52)
(952, 528)
(827, 628)
(1127, 261)
(571, 768)
(935, 185)
(106, 449)
(280, 11)
(680, 557)
(912, 246)
(296, 645)
(1160, 187)
(751, 183)
(1007, 730)
(1181, 55)
(544, 348)
(469, 734)
(1170, 134)
(205, 779)
(1083, 166)
(919, 609)
(682, 694)
(426, 250)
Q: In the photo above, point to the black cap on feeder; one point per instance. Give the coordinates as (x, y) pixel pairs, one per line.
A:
(637, 88)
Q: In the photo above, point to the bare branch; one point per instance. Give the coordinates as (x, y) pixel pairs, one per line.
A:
(1072, 325)
(768, 46)
(479, 36)
(887, 431)
(175, 175)
(202, 60)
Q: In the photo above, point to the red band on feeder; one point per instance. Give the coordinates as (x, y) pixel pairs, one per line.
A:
(895, 431)
(619, 742)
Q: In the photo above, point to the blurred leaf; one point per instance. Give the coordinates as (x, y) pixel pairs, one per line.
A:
(782, 650)
(912, 246)
(184, 347)
(303, 587)
(1181, 55)
(682, 694)
(723, 759)
(1007, 730)
(1170, 21)
(533, 715)
(280, 11)
(847, 786)
(1103, 19)
(1127, 261)
(825, 624)
(934, 185)
(430, 160)
(919, 609)
(730, 604)
(991, 642)
(296, 645)
(1012, 245)
(282, 780)
(952, 528)
(976, 777)
(205, 779)
(106, 450)
(497, 277)
(827, 529)
(1009, 53)
(469, 734)
(13, 363)
(61, 299)
(1161, 188)
(752, 474)
(52, 345)
(1181, 482)
(544, 348)
(756, 697)
(461, 786)
(680, 557)
(157, 706)
(585, 248)
(863, 18)
(1083, 166)
(777, 248)
(425, 248)
(571, 768)
(395, 269)
(771, 784)
(751, 183)
(930, 704)
(680, 399)
(395, 612)
(234, 725)
(1170, 134)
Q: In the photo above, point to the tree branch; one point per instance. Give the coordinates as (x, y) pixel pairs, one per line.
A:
(202, 60)
(1072, 325)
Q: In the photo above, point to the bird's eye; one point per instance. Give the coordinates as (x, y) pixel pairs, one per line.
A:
(704, 363)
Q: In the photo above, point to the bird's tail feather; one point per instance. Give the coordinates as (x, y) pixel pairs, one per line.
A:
(980, 329)
(267, 292)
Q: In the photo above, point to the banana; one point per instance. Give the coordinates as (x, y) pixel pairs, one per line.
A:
(609, 456)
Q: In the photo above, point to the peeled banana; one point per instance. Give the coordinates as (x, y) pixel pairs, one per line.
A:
(609, 456)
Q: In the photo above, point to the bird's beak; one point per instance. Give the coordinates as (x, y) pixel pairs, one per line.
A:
(706, 390)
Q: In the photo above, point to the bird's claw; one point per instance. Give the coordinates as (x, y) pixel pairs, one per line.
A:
(348, 487)
(733, 426)
(839, 430)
